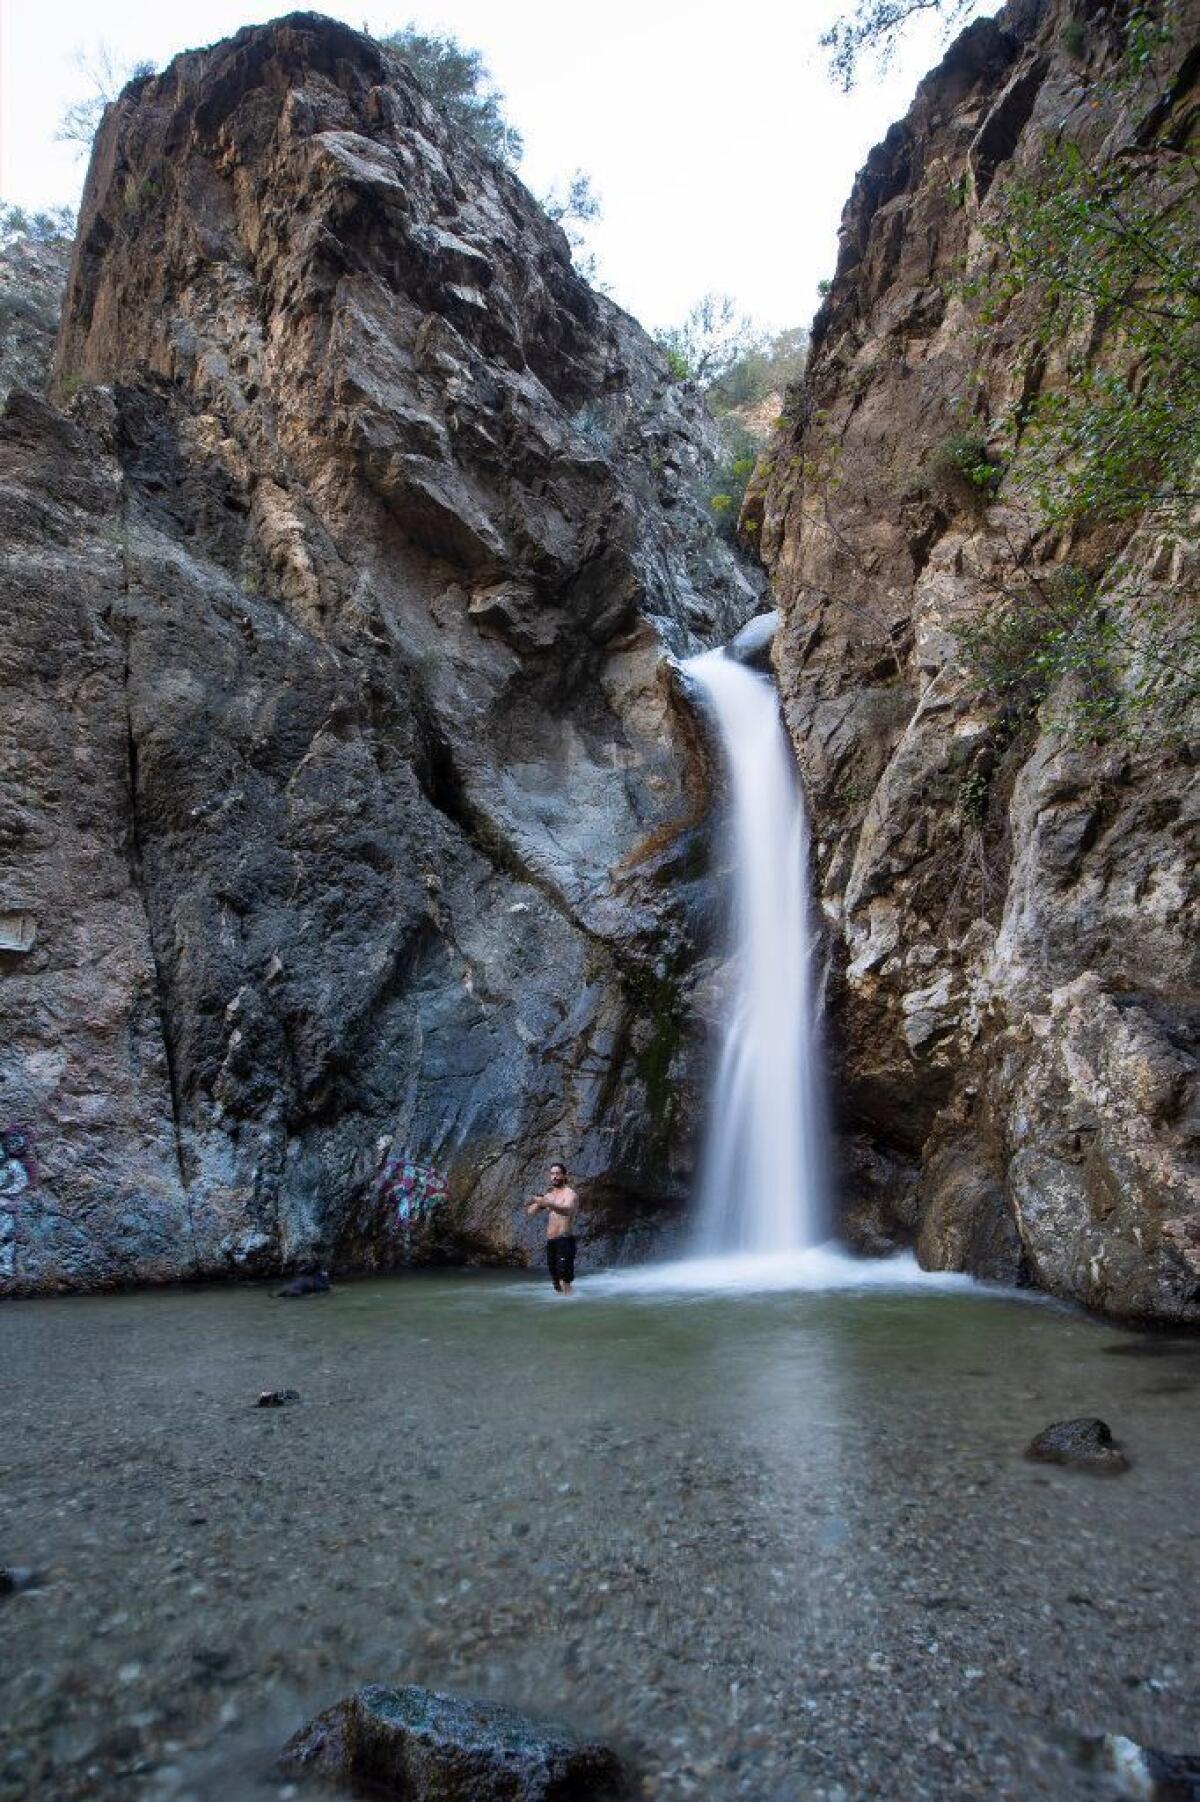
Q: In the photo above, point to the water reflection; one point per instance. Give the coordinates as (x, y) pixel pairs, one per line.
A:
(759, 1540)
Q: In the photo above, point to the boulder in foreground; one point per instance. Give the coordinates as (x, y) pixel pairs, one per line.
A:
(417, 1743)
(1087, 1442)
(1149, 1776)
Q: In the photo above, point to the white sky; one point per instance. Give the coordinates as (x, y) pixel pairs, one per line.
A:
(720, 148)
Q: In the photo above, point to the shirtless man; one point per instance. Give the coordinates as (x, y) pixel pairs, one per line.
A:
(560, 1204)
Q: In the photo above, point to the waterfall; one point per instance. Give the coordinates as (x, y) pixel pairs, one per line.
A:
(763, 1186)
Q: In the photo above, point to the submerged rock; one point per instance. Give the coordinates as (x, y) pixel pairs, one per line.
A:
(1153, 1348)
(1087, 1442)
(417, 1743)
(306, 1285)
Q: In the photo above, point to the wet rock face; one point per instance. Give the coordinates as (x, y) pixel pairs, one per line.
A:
(415, 1743)
(1012, 917)
(348, 793)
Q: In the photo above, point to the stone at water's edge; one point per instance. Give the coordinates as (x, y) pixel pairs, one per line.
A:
(428, 1747)
(1086, 1442)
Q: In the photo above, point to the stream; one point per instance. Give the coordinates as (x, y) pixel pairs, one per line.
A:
(769, 1544)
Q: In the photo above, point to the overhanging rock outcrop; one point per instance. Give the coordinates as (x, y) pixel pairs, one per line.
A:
(345, 782)
(1015, 998)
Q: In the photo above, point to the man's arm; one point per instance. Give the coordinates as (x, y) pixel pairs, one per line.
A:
(539, 1201)
(568, 1206)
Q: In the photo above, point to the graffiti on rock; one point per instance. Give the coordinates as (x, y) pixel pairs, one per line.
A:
(412, 1189)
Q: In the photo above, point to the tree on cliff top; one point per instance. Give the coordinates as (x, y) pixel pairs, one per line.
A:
(106, 74)
(745, 374)
(713, 336)
(875, 28)
(459, 83)
(575, 204)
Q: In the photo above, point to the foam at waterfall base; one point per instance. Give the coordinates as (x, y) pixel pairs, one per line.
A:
(818, 1268)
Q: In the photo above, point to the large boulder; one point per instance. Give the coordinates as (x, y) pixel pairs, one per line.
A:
(423, 1746)
(1144, 1774)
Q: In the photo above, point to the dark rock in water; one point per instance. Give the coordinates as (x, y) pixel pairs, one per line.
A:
(14, 1578)
(1087, 1442)
(307, 1285)
(277, 1398)
(1150, 1776)
(418, 1744)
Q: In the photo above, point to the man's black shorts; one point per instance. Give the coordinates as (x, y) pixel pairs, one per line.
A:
(560, 1256)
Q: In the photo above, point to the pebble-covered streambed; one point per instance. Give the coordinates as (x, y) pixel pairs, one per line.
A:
(771, 1547)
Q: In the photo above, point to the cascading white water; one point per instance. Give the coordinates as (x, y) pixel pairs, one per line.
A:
(763, 1170)
(764, 1218)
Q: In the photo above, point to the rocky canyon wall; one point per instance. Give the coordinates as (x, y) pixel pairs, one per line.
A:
(1012, 913)
(351, 819)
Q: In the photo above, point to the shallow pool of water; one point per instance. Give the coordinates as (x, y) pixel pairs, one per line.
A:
(777, 1544)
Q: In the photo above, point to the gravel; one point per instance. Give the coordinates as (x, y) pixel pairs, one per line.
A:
(784, 1547)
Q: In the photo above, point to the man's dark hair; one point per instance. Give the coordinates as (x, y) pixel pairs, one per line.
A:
(557, 1164)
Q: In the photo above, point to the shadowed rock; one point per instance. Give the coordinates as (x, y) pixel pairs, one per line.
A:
(317, 1284)
(277, 1398)
(1086, 1442)
(419, 1744)
(1149, 1776)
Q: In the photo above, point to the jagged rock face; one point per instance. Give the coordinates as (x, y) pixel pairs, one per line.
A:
(1013, 1003)
(32, 277)
(350, 799)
